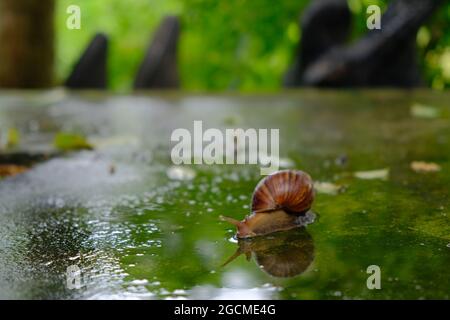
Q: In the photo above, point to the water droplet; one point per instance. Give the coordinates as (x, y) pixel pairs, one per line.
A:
(179, 291)
(163, 291)
(233, 240)
(180, 173)
(139, 282)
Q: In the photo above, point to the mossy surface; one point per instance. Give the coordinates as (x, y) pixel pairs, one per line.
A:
(133, 232)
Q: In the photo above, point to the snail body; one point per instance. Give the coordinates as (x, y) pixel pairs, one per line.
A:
(279, 200)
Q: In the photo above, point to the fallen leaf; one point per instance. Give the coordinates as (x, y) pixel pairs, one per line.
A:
(422, 166)
(327, 187)
(7, 170)
(68, 141)
(373, 174)
(12, 138)
(424, 111)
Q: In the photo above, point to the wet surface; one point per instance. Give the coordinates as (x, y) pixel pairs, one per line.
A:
(131, 225)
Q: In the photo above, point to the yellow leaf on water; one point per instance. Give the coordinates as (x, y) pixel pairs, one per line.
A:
(373, 174)
(68, 141)
(424, 111)
(12, 138)
(422, 166)
(327, 187)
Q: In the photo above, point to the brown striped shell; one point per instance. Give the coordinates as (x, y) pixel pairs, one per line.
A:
(288, 190)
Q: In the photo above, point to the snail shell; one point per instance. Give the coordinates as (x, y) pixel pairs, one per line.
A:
(278, 201)
(288, 190)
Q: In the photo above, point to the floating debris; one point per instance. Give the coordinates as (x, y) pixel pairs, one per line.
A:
(7, 170)
(422, 166)
(373, 174)
(112, 169)
(327, 188)
(12, 138)
(74, 258)
(286, 163)
(424, 111)
(233, 240)
(337, 294)
(180, 173)
(341, 160)
(139, 282)
(68, 142)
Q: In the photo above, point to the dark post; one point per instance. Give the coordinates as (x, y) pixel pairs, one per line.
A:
(90, 70)
(385, 57)
(159, 68)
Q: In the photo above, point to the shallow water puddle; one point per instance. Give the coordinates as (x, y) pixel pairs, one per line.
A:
(148, 230)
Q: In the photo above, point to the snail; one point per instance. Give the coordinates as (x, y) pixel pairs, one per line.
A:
(285, 254)
(279, 202)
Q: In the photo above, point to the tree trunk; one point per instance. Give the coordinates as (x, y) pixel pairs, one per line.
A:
(26, 43)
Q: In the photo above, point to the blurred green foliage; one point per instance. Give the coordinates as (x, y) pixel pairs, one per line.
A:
(245, 45)
(129, 25)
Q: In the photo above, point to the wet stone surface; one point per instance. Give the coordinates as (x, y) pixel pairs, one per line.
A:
(132, 226)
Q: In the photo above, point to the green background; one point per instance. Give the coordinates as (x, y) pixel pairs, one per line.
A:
(243, 45)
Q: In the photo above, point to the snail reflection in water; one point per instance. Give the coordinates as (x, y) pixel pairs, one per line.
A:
(280, 202)
(281, 254)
